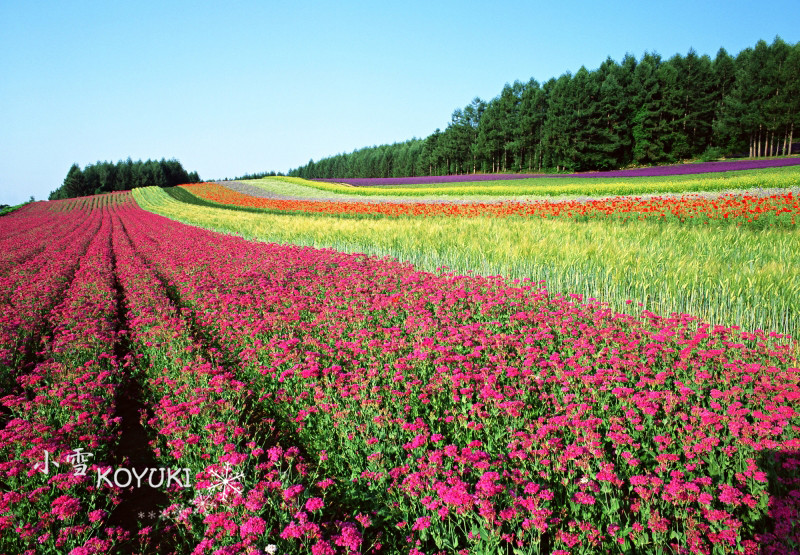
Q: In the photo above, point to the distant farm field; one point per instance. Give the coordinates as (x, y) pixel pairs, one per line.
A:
(781, 173)
(280, 367)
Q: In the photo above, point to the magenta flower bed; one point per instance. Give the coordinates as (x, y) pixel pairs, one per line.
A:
(362, 406)
(658, 171)
(60, 379)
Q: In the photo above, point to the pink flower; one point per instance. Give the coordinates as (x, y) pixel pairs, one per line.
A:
(254, 526)
(322, 548)
(292, 491)
(96, 516)
(350, 537)
(65, 507)
(422, 523)
(729, 495)
(705, 498)
(292, 530)
(314, 504)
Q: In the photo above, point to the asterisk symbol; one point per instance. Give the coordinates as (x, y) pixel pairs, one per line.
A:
(203, 503)
(141, 514)
(151, 514)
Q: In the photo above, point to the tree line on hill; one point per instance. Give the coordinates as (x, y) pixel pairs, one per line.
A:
(257, 175)
(105, 177)
(637, 112)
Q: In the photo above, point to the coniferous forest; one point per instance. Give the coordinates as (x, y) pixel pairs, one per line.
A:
(106, 177)
(635, 112)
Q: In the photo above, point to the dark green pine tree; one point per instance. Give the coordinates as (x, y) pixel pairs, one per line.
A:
(697, 82)
(472, 114)
(429, 160)
(497, 128)
(776, 104)
(557, 129)
(509, 103)
(756, 91)
(672, 138)
(489, 142)
(724, 76)
(591, 146)
(614, 131)
(648, 126)
(791, 91)
(532, 111)
(457, 141)
(72, 186)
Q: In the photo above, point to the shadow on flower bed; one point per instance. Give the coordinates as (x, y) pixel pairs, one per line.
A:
(779, 531)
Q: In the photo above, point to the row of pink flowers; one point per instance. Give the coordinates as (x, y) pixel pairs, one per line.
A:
(60, 319)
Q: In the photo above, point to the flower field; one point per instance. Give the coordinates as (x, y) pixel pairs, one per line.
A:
(316, 401)
(728, 274)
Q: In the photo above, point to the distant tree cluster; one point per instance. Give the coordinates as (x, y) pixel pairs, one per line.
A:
(105, 177)
(641, 112)
(255, 176)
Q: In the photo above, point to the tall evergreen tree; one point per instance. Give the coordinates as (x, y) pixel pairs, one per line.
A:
(614, 130)
(74, 184)
(648, 125)
(724, 76)
(532, 112)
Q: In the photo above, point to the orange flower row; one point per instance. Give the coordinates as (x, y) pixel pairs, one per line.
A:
(779, 209)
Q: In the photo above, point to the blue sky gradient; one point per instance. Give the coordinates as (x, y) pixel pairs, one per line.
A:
(255, 86)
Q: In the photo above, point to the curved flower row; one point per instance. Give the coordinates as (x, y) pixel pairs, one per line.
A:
(740, 209)
(45, 262)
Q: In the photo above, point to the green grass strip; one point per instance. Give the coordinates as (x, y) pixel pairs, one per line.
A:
(10, 209)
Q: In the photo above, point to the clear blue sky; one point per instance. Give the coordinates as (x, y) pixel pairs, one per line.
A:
(247, 86)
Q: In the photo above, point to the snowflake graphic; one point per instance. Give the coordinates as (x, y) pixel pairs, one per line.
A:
(226, 481)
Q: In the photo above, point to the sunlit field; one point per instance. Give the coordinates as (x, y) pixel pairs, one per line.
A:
(290, 375)
(730, 261)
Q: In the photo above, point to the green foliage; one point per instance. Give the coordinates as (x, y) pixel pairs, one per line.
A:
(710, 154)
(6, 209)
(646, 112)
(106, 177)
